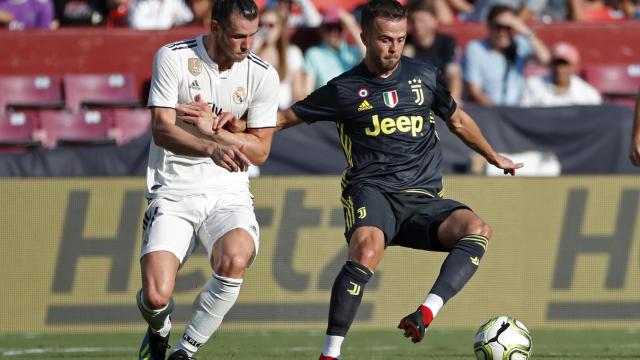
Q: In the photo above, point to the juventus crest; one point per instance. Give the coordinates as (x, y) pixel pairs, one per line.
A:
(416, 88)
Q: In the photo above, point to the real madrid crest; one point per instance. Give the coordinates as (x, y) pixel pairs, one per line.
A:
(239, 95)
(195, 66)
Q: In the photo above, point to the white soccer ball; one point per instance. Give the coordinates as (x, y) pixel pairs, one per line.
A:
(502, 338)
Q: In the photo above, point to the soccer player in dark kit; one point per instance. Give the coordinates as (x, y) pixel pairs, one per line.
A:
(385, 110)
(391, 191)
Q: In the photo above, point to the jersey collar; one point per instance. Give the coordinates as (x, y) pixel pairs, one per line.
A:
(377, 79)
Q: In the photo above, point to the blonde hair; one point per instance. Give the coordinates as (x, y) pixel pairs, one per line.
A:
(282, 44)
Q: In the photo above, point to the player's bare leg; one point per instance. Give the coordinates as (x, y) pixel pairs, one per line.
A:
(159, 270)
(366, 249)
(467, 237)
(229, 259)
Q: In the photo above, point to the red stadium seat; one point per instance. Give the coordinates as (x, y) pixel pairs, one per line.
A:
(100, 91)
(17, 130)
(30, 91)
(618, 83)
(130, 123)
(63, 128)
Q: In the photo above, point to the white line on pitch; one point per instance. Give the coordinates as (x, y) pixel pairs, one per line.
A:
(65, 350)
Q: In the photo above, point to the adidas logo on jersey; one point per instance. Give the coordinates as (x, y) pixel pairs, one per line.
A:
(365, 106)
(194, 85)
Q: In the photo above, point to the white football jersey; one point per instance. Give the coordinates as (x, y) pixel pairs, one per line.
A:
(182, 70)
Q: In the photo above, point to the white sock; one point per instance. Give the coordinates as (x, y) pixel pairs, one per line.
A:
(212, 304)
(158, 320)
(434, 303)
(332, 344)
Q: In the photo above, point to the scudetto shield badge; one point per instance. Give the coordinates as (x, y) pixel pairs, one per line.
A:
(195, 66)
(390, 98)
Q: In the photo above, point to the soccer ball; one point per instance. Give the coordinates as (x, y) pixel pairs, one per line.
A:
(502, 338)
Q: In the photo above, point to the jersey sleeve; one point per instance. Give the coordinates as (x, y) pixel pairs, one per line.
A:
(165, 80)
(263, 106)
(320, 105)
(443, 103)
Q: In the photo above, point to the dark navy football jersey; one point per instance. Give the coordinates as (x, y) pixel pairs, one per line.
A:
(386, 125)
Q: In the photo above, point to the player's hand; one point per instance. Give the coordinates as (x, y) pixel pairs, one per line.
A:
(229, 122)
(635, 153)
(506, 164)
(199, 114)
(230, 158)
(236, 125)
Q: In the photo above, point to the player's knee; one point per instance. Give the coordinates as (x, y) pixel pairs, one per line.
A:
(366, 254)
(480, 228)
(232, 265)
(156, 299)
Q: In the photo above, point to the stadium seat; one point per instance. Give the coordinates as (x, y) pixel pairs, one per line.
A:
(17, 130)
(64, 128)
(100, 91)
(618, 83)
(130, 123)
(30, 91)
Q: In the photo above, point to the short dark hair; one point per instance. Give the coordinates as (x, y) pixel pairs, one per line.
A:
(422, 5)
(387, 9)
(222, 10)
(496, 10)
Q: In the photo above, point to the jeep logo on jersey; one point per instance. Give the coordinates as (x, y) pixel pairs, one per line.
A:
(388, 126)
(390, 98)
(195, 66)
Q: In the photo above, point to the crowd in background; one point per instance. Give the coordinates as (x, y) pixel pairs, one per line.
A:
(489, 71)
(163, 14)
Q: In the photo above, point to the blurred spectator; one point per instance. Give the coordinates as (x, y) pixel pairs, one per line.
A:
(562, 87)
(630, 8)
(525, 9)
(26, 14)
(201, 10)
(494, 66)
(158, 14)
(425, 43)
(81, 12)
(450, 11)
(272, 45)
(298, 13)
(118, 13)
(334, 56)
(600, 10)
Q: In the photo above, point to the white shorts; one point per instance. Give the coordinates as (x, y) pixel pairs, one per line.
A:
(176, 226)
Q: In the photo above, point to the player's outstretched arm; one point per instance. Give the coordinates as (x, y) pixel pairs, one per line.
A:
(468, 131)
(287, 119)
(182, 139)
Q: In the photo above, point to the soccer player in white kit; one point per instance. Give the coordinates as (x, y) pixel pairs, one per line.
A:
(197, 184)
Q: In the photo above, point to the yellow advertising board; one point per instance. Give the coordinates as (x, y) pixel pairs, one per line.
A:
(565, 253)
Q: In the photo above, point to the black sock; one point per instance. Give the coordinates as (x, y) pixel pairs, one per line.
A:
(346, 296)
(459, 266)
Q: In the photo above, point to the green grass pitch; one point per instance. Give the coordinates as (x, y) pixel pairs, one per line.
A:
(446, 345)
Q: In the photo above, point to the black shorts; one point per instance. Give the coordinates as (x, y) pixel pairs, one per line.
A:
(408, 219)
